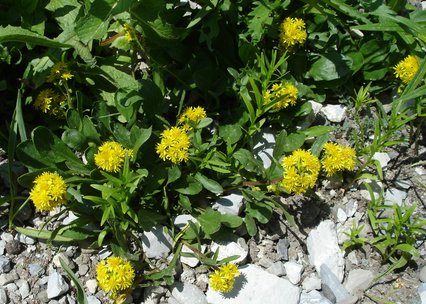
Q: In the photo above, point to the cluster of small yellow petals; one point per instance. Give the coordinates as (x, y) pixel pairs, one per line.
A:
(301, 170)
(174, 145)
(110, 156)
(48, 191)
(407, 68)
(283, 94)
(223, 279)
(193, 115)
(114, 275)
(292, 32)
(49, 102)
(59, 71)
(337, 158)
(129, 33)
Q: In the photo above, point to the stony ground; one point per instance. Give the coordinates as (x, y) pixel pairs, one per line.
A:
(301, 263)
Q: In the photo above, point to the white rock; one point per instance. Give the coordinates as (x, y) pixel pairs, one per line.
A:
(6, 278)
(255, 285)
(24, 288)
(233, 246)
(419, 170)
(264, 143)
(403, 184)
(2, 246)
(93, 300)
(294, 272)
(422, 275)
(186, 293)
(56, 285)
(323, 248)
(395, 196)
(156, 243)
(351, 207)
(383, 158)
(422, 292)
(313, 297)
(5, 265)
(424, 5)
(91, 286)
(35, 270)
(352, 258)
(334, 113)
(282, 249)
(358, 280)
(3, 296)
(229, 204)
(332, 288)
(311, 282)
(316, 106)
(191, 261)
(65, 259)
(7, 237)
(376, 187)
(24, 239)
(182, 220)
(71, 217)
(341, 215)
(277, 269)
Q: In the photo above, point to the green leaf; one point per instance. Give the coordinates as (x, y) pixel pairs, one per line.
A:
(185, 202)
(230, 133)
(293, 141)
(261, 212)
(138, 137)
(69, 235)
(81, 296)
(191, 187)
(232, 221)
(209, 184)
(317, 131)
(316, 148)
(330, 66)
(18, 34)
(73, 139)
(210, 221)
(408, 249)
(173, 173)
(247, 161)
(89, 130)
(250, 225)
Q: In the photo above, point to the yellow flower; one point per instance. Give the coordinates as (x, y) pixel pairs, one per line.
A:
(191, 115)
(283, 94)
(115, 275)
(407, 68)
(223, 279)
(129, 33)
(174, 145)
(301, 170)
(59, 71)
(48, 191)
(44, 100)
(110, 156)
(292, 32)
(337, 158)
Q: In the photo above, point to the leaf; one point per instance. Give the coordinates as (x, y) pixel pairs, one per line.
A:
(173, 173)
(89, 130)
(69, 235)
(247, 161)
(209, 184)
(408, 249)
(259, 20)
(18, 34)
(232, 221)
(210, 221)
(138, 137)
(293, 141)
(81, 296)
(250, 225)
(230, 133)
(261, 212)
(191, 187)
(317, 131)
(330, 66)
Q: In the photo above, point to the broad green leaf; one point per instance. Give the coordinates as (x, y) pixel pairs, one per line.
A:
(18, 34)
(69, 235)
(89, 130)
(191, 187)
(250, 225)
(210, 221)
(74, 139)
(138, 137)
(230, 133)
(232, 221)
(293, 141)
(173, 173)
(247, 161)
(316, 131)
(208, 183)
(330, 66)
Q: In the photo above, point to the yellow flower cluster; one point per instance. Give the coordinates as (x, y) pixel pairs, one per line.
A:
(110, 156)
(301, 170)
(114, 275)
(283, 95)
(48, 191)
(223, 279)
(407, 68)
(337, 158)
(49, 102)
(292, 32)
(59, 71)
(174, 145)
(191, 115)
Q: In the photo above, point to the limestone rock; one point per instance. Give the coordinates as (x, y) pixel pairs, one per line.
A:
(188, 293)
(56, 285)
(229, 204)
(334, 113)
(156, 243)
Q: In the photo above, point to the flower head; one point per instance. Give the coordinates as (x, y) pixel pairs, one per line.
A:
(110, 156)
(59, 71)
(301, 170)
(48, 191)
(283, 94)
(129, 33)
(174, 145)
(49, 102)
(192, 115)
(115, 275)
(337, 158)
(292, 32)
(223, 279)
(407, 68)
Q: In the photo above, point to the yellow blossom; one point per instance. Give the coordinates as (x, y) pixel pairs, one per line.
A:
(193, 115)
(129, 33)
(292, 32)
(59, 71)
(337, 158)
(115, 275)
(110, 156)
(301, 170)
(283, 94)
(223, 279)
(407, 68)
(174, 145)
(48, 191)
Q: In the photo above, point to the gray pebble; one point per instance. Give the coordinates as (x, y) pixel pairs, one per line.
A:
(422, 275)
(3, 296)
(7, 278)
(5, 265)
(93, 300)
(35, 270)
(13, 247)
(282, 249)
(42, 297)
(83, 269)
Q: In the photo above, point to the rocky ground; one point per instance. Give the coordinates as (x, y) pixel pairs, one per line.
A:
(283, 263)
